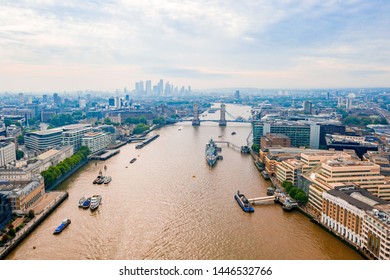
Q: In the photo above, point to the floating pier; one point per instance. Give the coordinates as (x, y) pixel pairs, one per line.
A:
(147, 141)
(106, 154)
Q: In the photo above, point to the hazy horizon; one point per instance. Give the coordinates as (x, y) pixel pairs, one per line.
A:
(51, 46)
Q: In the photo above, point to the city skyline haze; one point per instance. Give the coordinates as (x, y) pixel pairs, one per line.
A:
(103, 45)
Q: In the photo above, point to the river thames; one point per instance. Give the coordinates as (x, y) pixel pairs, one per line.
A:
(169, 204)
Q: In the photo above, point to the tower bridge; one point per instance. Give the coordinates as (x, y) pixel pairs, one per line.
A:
(222, 120)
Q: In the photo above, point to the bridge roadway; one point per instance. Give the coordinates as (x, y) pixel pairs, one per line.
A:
(234, 121)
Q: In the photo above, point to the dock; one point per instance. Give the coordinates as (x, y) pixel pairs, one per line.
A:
(147, 141)
(287, 203)
(103, 155)
(270, 198)
(136, 139)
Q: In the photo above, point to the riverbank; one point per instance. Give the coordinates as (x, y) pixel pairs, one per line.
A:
(313, 217)
(42, 212)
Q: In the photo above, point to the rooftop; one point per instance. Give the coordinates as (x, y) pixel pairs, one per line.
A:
(92, 134)
(47, 154)
(46, 132)
(341, 162)
(358, 197)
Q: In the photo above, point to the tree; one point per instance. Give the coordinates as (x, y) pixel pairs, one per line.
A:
(11, 232)
(7, 122)
(256, 148)
(19, 154)
(293, 191)
(107, 121)
(4, 238)
(21, 139)
(159, 121)
(301, 197)
(30, 214)
(140, 128)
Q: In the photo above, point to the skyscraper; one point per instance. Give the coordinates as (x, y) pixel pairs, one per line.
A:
(21, 98)
(307, 107)
(56, 99)
(161, 87)
(348, 103)
(148, 87)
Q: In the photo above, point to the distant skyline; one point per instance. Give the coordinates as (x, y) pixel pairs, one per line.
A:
(48, 45)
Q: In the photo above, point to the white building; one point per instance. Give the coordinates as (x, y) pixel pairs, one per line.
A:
(96, 141)
(7, 153)
(73, 137)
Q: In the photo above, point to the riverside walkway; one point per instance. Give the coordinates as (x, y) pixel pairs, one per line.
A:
(44, 208)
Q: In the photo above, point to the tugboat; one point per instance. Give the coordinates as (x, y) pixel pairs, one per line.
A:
(62, 226)
(95, 202)
(211, 152)
(243, 202)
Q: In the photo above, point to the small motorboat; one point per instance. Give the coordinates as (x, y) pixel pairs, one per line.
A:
(86, 203)
(133, 160)
(107, 179)
(81, 201)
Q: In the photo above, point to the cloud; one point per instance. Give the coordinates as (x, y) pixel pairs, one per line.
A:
(207, 41)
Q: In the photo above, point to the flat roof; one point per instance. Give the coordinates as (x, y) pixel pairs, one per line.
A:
(75, 126)
(91, 134)
(361, 198)
(347, 162)
(47, 154)
(46, 132)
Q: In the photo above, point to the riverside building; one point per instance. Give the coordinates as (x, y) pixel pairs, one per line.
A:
(73, 136)
(290, 169)
(338, 172)
(96, 141)
(359, 217)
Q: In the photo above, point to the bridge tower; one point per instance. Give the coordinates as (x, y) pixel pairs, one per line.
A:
(195, 120)
(222, 120)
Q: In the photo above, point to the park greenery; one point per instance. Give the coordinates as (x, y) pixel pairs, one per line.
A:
(159, 121)
(140, 128)
(295, 193)
(61, 120)
(52, 174)
(363, 120)
(139, 120)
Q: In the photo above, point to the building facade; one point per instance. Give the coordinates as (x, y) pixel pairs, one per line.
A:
(339, 172)
(7, 153)
(43, 140)
(23, 195)
(271, 140)
(73, 137)
(96, 141)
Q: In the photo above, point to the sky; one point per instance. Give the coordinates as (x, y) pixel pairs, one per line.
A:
(48, 45)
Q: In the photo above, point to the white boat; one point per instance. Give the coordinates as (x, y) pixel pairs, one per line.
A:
(95, 202)
(81, 201)
(107, 179)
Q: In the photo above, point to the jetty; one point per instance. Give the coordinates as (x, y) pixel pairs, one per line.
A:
(103, 155)
(147, 141)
